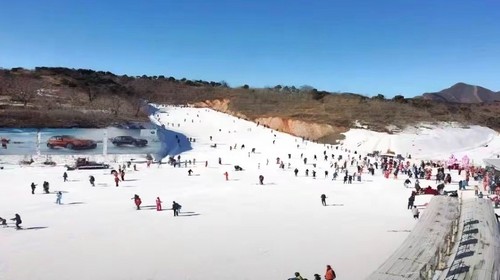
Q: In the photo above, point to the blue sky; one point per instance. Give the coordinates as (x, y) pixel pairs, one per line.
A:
(389, 47)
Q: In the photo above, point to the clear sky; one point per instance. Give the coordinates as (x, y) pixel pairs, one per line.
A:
(373, 46)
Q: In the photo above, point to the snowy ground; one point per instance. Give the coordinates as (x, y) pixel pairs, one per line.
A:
(234, 229)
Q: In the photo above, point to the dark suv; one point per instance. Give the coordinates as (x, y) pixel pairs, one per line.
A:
(128, 140)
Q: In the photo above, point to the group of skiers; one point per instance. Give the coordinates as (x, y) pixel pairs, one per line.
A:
(176, 207)
(329, 275)
(16, 219)
(46, 190)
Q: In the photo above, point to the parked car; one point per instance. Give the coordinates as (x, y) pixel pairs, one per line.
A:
(70, 142)
(128, 140)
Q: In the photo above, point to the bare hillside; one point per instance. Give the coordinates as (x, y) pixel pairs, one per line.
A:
(61, 97)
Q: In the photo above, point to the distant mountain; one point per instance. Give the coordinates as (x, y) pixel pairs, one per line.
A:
(463, 93)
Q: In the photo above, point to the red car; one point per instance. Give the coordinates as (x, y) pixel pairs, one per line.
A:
(70, 142)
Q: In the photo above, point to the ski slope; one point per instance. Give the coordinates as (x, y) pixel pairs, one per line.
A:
(235, 229)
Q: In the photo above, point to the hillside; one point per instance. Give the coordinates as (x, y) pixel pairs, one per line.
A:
(61, 97)
(464, 93)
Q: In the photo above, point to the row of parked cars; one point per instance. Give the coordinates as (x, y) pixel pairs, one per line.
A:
(74, 143)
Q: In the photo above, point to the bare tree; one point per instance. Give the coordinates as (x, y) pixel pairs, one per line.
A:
(115, 104)
(22, 89)
(306, 88)
(139, 103)
(92, 92)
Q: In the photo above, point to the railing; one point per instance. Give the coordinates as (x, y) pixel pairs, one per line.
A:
(477, 253)
(426, 248)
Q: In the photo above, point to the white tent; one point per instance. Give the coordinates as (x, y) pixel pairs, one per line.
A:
(465, 161)
(452, 160)
(493, 162)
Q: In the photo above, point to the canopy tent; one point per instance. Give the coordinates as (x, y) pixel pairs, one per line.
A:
(465, 162)
(493, 162)
(452, 160)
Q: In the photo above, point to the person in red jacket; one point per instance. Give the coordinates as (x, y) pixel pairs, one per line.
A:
(330, 274)
(137, 201)
(158, 204)
(226, 175)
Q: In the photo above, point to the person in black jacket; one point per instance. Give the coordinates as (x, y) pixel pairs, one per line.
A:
(92, 180)
(18, 220)
(176, 207)
(411, 200)
(323, 199)
(46, 187)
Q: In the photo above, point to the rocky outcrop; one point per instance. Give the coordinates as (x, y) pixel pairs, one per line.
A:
(295, 127)
(216, 104)
(221, 105)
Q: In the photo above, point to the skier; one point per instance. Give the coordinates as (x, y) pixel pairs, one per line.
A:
(415, 212)
(33, 187)
(261, 179)
(220, 160)
(296, 171)
(92, 180)
(407, 183)
(326, 174)
(330, 273)
(46, 186)
(158, 204)
(122, 174)
(176, 207)
(3, 221)
(323, 199)
(411, 200)
(226, 175)
(18, 220)
(116, 178)
(190, 172)
(65, 176)
(317, 277)
(137, 201)
(314, 174)
(59, 196)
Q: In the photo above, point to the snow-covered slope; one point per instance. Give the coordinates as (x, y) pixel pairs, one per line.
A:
(429, 141)
(235, 229)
